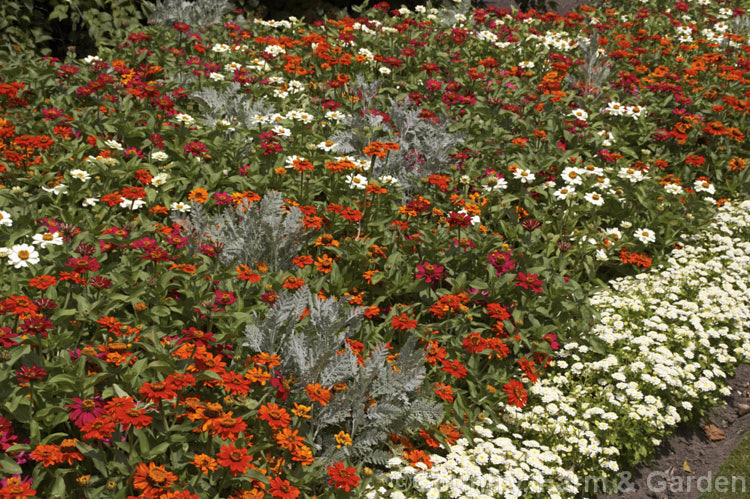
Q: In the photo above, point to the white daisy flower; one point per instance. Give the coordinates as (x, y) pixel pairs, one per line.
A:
(216, 76)
(5, 219)
(281, 131)
(594, 198)
(614, 108)
(564, 193)
(645, 236)
(524, 176)
(579, 114)
(132, 204)
(159, 179)
(113, 144)
(572, 175)
(384, 71)
(184, 118)
(356, 181)
(90, 201)
(81, 175)
(179, 206)
(23, 255)
(327, 145)
(56, 190)
(704, 186)
(48, 239)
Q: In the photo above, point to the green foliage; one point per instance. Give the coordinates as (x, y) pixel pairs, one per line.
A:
(51, 26)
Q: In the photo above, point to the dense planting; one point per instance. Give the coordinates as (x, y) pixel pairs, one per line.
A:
(257, 258)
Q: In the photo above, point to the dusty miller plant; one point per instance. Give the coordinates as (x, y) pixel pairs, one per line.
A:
(381, 396)
(231, 104)
(595, 71)
(250, 232)
(197, 13)
(424, 146)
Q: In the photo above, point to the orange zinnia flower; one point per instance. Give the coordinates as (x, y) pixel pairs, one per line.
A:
(205, 463)
(199, 195)
(324, 264)
(318, 394)
(275, 416)
(228, 428)
(48, 454)
(289, 439)
(244, 273)
(153, 480)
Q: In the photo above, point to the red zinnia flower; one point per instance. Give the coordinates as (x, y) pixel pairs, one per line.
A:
(233, 458)
(83, 264)
(27, 374)
(529, 281)
(159, 390)
(454, 368)
(516, 393)
(343, 477)
(403, 322)
(282, 489)
(429, 272)
(445, 392)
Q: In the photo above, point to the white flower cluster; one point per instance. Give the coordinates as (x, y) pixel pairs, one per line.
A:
(666, 342)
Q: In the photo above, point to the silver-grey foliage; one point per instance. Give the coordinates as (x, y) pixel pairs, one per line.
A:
(595, 71)
(197, 13)
(382, 396)
(252, 232)
(231, 104)
(424, 146)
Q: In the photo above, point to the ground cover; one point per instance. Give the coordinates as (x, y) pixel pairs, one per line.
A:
(250, 258)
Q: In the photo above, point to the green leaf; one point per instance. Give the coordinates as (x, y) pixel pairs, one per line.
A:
(9, 466)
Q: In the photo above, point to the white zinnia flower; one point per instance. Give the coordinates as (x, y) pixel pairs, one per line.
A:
(23, 255)
(564, 193)
(180, 206)
(645, 236)
(5, 219)
(524, 176)
(594, 198)
(579, 114)
(159, 179)
(48, 239)
(356, 181)
(81, 175)
(56, 190)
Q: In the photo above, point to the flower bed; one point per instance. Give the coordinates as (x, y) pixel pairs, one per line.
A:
(250, 258)
(666, 342)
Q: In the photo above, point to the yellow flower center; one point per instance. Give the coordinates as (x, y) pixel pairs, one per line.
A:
(23, 255)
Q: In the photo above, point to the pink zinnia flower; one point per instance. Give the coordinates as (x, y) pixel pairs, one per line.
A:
(83, 411)
(501, 261)
(430, 273)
